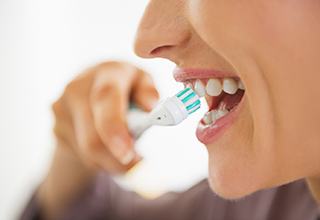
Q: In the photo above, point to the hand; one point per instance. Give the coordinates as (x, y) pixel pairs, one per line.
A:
(90, 116)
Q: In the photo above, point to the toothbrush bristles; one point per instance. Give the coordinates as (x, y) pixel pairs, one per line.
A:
(190, 100)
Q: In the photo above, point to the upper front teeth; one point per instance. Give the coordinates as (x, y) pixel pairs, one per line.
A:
(199, 88)
(230, 86)
(214, 87)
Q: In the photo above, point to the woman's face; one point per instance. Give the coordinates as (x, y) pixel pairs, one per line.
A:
(272, 135)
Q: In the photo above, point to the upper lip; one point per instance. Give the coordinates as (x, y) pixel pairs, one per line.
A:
(184, 74)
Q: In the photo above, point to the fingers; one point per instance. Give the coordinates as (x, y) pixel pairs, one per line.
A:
(63, 128)
(109, 102)
(97, 103)
(107, 162)
(145, 95)
(110, 97)
(90, 147)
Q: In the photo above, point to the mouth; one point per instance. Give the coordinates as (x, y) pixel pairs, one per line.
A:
(224, 93)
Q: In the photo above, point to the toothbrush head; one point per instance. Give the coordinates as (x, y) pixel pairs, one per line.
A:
(176, 108)
(189, 99)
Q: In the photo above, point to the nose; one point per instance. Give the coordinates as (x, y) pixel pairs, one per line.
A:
(162, 30)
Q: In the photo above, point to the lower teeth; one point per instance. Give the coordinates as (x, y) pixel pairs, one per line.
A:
(227, 103)
(212, 116)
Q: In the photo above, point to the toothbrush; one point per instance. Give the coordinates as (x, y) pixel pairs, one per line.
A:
(169, 112)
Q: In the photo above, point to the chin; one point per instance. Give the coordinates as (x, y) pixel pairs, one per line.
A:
(234, 181)
(231, 190)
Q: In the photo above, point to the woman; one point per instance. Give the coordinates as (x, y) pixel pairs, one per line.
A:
(264, 137)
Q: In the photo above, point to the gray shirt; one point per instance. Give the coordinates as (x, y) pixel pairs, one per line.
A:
(104, 199)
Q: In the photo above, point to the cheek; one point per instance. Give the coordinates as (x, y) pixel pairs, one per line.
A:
(203, 21)
(288, 53)
(282, 47)
(220, 23)
(237, 167)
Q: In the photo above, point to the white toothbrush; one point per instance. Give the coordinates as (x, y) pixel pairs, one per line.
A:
(171, 111)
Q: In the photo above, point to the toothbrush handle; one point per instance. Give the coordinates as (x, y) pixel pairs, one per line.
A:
(138, 122)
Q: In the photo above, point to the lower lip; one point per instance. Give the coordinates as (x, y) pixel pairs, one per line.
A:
(208, 134)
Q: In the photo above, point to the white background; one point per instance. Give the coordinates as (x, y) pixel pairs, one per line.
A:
(44, 44)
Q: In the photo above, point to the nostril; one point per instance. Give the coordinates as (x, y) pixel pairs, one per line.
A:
(160, 49)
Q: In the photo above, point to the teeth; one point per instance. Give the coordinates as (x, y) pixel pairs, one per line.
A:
(214, 87)
(220, 113)
(212, 116)
(207, 118)
(240, 85)
(199, 88)
(230, 86)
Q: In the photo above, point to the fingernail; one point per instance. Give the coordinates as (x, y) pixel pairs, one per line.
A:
(127, 158)
(119, 149)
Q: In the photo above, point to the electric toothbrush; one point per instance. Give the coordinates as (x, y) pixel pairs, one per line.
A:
(171, 111)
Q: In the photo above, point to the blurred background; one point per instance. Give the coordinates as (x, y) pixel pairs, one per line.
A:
(46, 43)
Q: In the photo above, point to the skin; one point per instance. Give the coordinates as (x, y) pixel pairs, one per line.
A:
(273, 46)
(91, 131)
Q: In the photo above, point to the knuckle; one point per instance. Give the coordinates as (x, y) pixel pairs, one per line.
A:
(107, 64)
(74, 90)
(109, 89)
(59, 111)
(116, 70)
(56, 107)
(72, 87)
(115, 64)
(91, 143)
(71, 92)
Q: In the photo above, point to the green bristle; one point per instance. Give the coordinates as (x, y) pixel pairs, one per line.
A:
(182, 92)
(189, 107)
(194, 110)
(188, 97)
